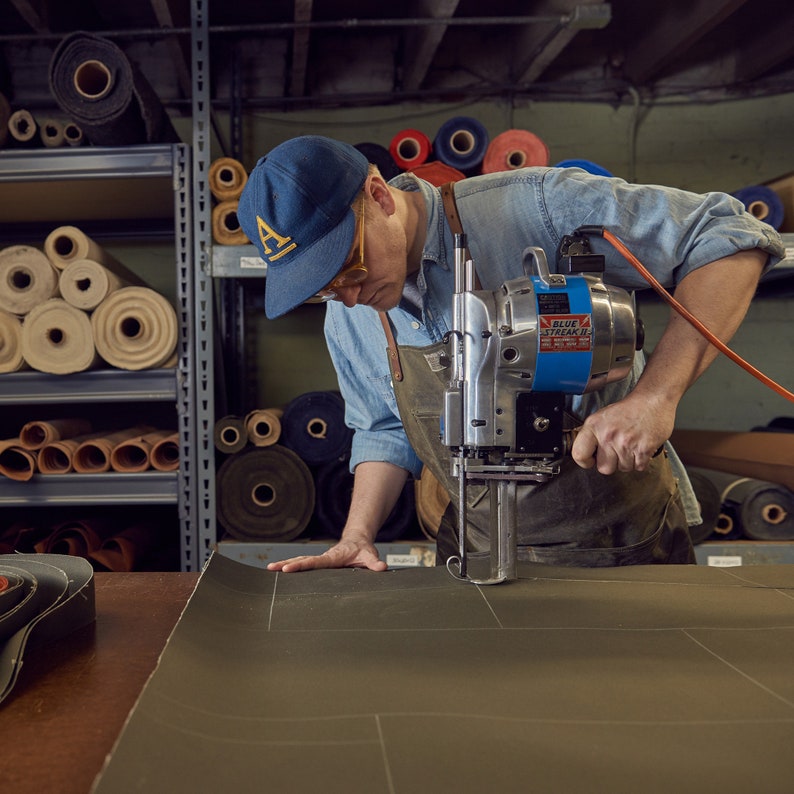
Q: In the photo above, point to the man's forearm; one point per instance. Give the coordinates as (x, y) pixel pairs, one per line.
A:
(377, 486)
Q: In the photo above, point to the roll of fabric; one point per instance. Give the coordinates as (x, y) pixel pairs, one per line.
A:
(92, 455)
(226, 229)
(165, 453)
(67, 244)
(432, 500)
(73, 134)
(23, 128)
(135, 328)
(461, 142)
(94, 83)
(585, 165)
(127, 550)
(226, 178)
(437, 173)
(27, 279)
(76, 538)
(11, 358)
(57, 338)
(56, 599)
(85, 283)
(263, 426)
(313, 425)
(135, 454)
(409, 148)
(265, 493)
(16, 462)
(56, 457)
(709, 501)
(230, 434)
(52, 134)
(5, 116)
(762, 203)
(514, 149)
(38, 433)
(381, 157)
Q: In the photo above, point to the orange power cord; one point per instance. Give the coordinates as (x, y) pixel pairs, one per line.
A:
(689, 317)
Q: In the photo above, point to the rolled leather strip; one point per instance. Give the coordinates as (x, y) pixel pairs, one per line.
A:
(230, 435)
(39, 433)
(762, 203)
(409, 148)
(585, 165)
(135, 328)
(432, 500)
(11, 358)
(57, 599)
(437, 173)
(165, 453)
(57, 338)
(76, 538)
(513, 149)
(381, 157)
(334, 489)
(52, 134)
(263, 426)
(85, 283)
(27, 278)
(265, 493)
(226, 178)
(708, 497)
(67, 244)
(226, 229)
(135, 454)
(127, 550)
(23, 127)
(16, 462)
(92, 455)
(56, 457)
(96, 85)
(461, 142)
(314, 426)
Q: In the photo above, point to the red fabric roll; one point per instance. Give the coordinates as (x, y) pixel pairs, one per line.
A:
(437, 173)
(410, 148)
(514, 149)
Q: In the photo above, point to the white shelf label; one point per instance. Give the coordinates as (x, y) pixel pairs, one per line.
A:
(253, 262)
(724, 561)
(403, 560)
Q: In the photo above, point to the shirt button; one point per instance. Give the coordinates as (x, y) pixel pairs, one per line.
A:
(415, 325)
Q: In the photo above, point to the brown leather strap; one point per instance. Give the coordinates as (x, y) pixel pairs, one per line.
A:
(394, 356)
(451, 208)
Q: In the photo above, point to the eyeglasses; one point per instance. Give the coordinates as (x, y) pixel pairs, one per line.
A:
(353, 270)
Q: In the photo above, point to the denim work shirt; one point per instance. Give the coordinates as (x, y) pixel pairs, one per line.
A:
(672, 232)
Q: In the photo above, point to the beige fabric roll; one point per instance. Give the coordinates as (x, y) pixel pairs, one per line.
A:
(16, 462)
(68, 244)
(27, 278)
(73, 134)
(22, 126)
(226, 228)
(165, 453)
(57, 338)
(52, 134)
(11, 358)
(39, 433)
(264, 426)
(93, 455)
(134, 454)
(85, 283)
(227, 178)
(135, 328)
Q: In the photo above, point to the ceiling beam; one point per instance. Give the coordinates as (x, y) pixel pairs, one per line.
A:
(421, 44)
(165, 19)
(673, 35)
(34, 12)
(300, 49)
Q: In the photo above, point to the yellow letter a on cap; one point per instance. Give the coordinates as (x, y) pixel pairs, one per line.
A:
(265, 234)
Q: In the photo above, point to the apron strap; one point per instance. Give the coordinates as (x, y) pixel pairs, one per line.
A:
(394, 356)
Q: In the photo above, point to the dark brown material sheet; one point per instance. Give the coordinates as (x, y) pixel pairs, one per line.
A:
(633, 679)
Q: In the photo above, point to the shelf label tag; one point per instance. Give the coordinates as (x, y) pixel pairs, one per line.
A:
(724, 561)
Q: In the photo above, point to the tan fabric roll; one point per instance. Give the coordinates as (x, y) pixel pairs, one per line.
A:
(22, 126)
(11, 358)
(93, 455)
(134, 454)
(135, 328)
(68, 244)
(52, 134)
(27, 278)
(85, 283)
(431, 503)
(16, 462)
(57, 338)
(39, 433)
(165, 453)
(73, 134)
(227, 178)
(226, 228)
(264, 426)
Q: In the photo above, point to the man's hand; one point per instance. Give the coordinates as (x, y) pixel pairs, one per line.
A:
(345, 554)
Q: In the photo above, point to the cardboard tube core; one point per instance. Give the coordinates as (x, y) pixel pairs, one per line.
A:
(92, 79)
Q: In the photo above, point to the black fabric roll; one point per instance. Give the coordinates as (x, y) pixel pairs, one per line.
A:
(380, 156)
(230, 435)
(93, 82)
(265, 494)
(314, 426)
(334, 489)
(710, 507)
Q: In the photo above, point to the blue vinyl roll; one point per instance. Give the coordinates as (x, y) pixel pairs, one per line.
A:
(763, 203)
(587, 165)
(461, 142)
(313, 426)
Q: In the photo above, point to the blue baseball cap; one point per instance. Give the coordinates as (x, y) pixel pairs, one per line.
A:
(296, 209)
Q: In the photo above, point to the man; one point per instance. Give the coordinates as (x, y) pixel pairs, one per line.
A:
(331, 228)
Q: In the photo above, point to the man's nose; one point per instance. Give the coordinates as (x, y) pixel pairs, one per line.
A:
(348, 295)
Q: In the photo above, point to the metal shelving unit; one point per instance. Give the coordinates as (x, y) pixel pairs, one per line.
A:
(103, 172)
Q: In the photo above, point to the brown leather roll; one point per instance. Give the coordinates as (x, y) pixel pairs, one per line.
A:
(38, 433)
(93, 455)
(135, 454)
(227, 178)
(165, 453)
(263, 426)
(16, 462)
(226, 229)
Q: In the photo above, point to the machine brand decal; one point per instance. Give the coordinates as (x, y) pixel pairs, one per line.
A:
(565, 333)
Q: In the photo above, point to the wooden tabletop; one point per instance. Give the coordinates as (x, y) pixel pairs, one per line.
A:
(72, 698)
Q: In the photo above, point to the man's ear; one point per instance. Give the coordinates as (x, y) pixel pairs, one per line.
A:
(377, 188)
